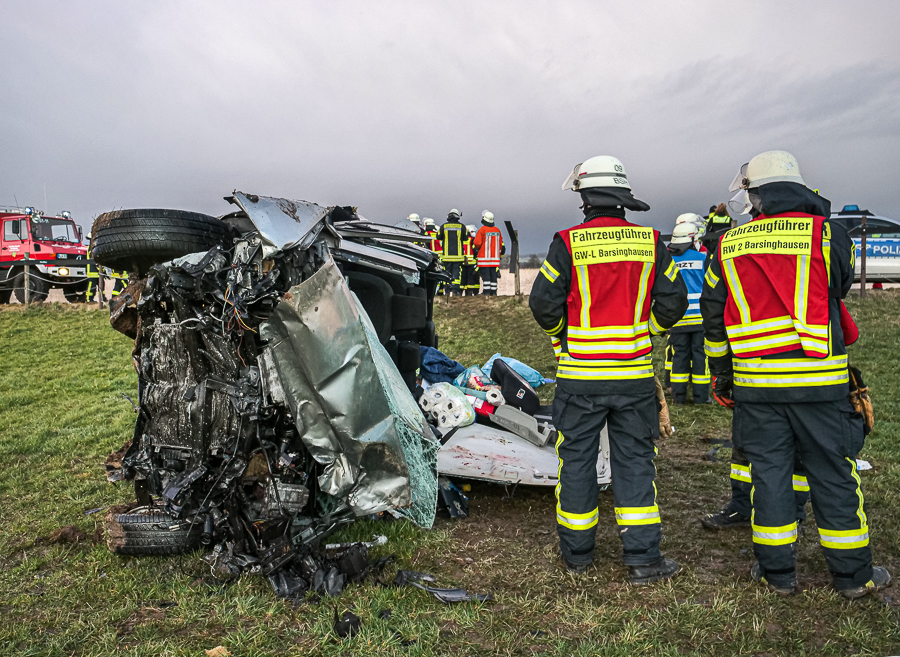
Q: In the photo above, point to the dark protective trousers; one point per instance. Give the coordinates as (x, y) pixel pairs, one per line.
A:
(633, 423)
(489, 276)
(689, 364)
(468, 279)
(454, 269)
(741, 485)
(827, 436)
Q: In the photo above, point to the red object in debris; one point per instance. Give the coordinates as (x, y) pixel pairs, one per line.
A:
(481, 407)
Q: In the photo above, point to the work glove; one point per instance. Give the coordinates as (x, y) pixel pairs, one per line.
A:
(665, 424)
(723, 387)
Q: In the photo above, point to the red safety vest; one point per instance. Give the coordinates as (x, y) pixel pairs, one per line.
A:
(435, 244)
(608, 324)
(468, 251)
(776, 272)
(488, 241)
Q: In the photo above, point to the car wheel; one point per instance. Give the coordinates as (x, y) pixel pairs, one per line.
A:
(38, 286)
(135, 240)
(150, 531)
(76, 292)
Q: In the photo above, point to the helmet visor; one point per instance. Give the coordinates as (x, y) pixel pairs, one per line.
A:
(740, 180)
(740, 203)
(571, 181)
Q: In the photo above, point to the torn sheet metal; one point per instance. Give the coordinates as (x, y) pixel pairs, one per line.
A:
(325, 368)
(281, 222)
(489, 454)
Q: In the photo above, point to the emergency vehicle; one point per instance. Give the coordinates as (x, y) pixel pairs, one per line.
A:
(28, 233)
(882, 243)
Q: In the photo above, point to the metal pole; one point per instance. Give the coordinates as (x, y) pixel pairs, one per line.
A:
(862, 261)
(27, 283)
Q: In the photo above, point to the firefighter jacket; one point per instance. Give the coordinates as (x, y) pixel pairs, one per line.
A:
(606, 285)
(692, 265)
(451, 236)
(468, 250)
(488, 246)
(717, 222)
(434, 244)
(771, 308)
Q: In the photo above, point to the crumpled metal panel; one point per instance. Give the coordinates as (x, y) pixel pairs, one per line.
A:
(281, 222)
(329, 379)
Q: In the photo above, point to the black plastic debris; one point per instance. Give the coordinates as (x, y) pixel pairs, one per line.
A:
(347, 625)
(447, 596)
(384, 614)
(452, 499)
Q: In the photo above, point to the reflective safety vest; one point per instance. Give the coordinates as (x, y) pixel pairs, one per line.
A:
(776, 272)
(608, 324)
(92, 271)
(434, 244)
(691, 265)
(488, 241)
(452, 234)
(468, 250)
(718, 222)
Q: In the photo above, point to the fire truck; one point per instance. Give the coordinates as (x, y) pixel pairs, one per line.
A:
(26, 233)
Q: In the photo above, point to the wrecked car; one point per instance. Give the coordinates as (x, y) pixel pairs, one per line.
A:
(276, 349)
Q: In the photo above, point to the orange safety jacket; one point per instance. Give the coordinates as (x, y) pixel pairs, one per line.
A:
(776, 273)
(488, 243)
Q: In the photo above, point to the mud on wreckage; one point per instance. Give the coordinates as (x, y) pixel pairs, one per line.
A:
(276, 348)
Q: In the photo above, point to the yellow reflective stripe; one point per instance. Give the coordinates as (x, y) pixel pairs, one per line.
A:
(783, 535)
(637, 515)
(548, 270)
(792, 364)
(584, 290)
(800, 483)
(846, 539)
(556, 343)
(711, 279)
(577, 521)
(826, 250)
(791, 381)
(693, 320)
(741, 472)
(801, 283)
(642, 293)
(680, 378)
(852, 255)
(701, 379)
(671, 271)
(655, 328)
(860, 511)
(556, 329)
(737, 291)
(559, 441)
(742, 346)
(761, 326)
(626, 332)
(715, 348)
(611, 346)
(576, 368)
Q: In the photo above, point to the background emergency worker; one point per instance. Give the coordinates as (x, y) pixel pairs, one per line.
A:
(429, 230)
(606, 285)
(414, 220)
(452, 235)
(771, 314)
(469, 277)
(718, 222)
(92, 272)
(686, 337)
(489, 248)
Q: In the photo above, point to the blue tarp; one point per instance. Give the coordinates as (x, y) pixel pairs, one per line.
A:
(530, 374)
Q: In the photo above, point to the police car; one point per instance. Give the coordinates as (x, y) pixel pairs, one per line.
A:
(882, 243)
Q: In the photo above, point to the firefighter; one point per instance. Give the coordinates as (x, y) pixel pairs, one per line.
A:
(605, 287)
(429, 230)
(452, 234)
(92, 273)
(414, 220)
(686, 337)
(718, 222)
(771, 313)
(489, 248)
(469, 276)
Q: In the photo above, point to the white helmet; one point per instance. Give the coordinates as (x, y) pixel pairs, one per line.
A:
(488, 216)
(428, 221)
(690, 218)
(765, 168)
(456, 212)
(600, 171)
(414, 218)
(684, 233)
(471, 228)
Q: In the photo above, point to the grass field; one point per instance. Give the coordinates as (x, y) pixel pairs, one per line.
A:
(63, 374)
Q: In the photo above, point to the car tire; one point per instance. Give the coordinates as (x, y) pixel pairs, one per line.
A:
(5, 295)
(39, 287)
(150, 531)
(135, 240)
(76, 292)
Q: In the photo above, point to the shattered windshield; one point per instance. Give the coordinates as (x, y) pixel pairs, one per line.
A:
(48, 229)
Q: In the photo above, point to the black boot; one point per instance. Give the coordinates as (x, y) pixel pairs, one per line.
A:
(660, 569)
(881, 579)
(784, 585)
(725, 519)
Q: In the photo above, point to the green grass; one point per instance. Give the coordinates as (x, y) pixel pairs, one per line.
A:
(62, 378)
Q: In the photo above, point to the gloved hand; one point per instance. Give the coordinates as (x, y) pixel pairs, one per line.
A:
(723, 387)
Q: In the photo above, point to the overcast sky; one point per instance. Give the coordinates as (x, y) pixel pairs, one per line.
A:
(400, 107)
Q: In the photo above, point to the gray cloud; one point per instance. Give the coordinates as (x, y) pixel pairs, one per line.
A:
(425, 106)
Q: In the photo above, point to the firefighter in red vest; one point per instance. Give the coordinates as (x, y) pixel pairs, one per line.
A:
(605, 287)
(469, 276)
(489, 248)
(771, 318)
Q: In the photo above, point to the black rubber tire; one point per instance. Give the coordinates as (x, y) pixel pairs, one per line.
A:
(135, 240)
(5, 295)
(76, 293)
(39, 287)
(149, 531)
